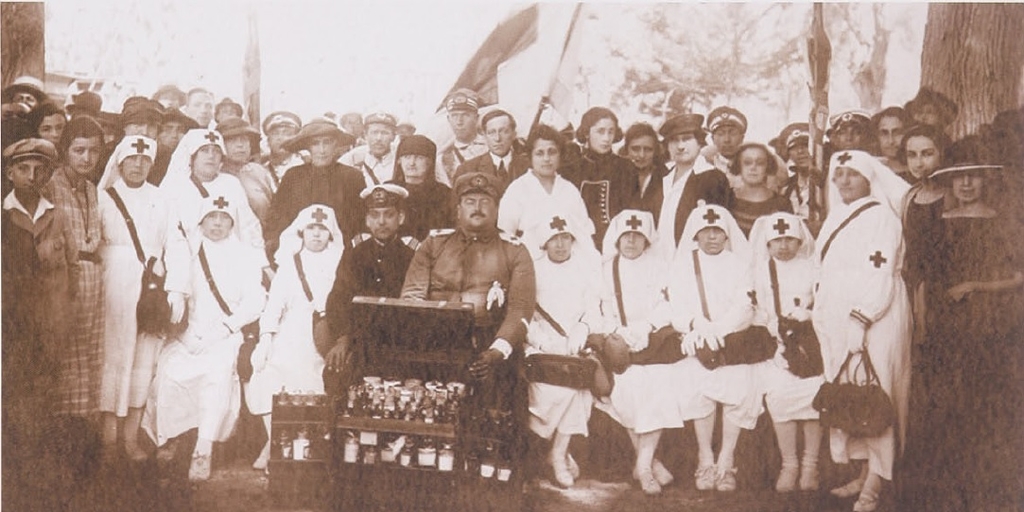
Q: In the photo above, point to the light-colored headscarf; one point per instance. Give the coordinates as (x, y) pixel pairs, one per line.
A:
(886, 186)
(130, 145)
(780, 225)
(557, 224)
(627, 221)
(713, 216)
(180, 167)
(291, 238)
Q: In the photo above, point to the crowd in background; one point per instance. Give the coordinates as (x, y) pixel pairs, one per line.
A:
(902, 248)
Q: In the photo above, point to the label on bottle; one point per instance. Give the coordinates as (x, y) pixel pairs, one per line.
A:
(299, 448)
(504, 474)
(445, 461)
(351, 451)
(368, 437)
(486, 470)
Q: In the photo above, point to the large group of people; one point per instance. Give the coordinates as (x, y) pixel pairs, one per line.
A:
(661, 255)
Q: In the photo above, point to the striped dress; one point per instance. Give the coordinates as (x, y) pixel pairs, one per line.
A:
(78, 387)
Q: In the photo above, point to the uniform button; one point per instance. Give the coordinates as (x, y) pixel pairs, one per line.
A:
(378, 279)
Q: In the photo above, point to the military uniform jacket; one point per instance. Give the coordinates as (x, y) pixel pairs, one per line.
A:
(455, 265)
(370, 269)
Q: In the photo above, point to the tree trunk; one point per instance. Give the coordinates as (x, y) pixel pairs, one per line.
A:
(974, 53)
(869, 80)
(23, 47)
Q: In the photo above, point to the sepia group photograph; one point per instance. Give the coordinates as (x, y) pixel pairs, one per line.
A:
(469, 256)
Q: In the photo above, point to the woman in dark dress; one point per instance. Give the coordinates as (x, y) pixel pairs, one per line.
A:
(968, 436)
(429, 205)
(923, 149)
(606, 181)
(644, 150)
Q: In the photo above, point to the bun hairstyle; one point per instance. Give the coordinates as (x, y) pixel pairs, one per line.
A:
(735, 166)
(591, 117)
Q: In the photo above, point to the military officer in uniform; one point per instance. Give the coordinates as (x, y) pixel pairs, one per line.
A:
(463, 115)
(375, 265)
(376, 158)
(476, 263)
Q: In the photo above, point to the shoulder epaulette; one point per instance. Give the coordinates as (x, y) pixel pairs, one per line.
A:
(411, 242)
(442, 232)
(512, 239)
(360, 238)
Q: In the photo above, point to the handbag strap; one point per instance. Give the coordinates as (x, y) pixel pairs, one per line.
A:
(773, 274)
(199, 185)
(203, 262)
(871, 376)
(700, 286)
(547, 318)
(130, 222)
(832, 237)
(618, 291)
(302, 277)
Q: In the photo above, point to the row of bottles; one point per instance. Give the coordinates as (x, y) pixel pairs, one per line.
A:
(409, 400)
(311, 441)
(424, 453)
(299, 398)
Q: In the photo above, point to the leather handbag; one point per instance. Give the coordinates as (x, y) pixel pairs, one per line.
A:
(566, 371)
(322, 338)
(664, 346)
(250, 331)
(152, 312)
(802, 350)
(749, 346)
(861, 410)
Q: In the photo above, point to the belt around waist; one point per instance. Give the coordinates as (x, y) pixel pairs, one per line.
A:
(91, 257)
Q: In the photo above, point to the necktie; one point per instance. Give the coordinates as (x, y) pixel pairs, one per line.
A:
(501, 168)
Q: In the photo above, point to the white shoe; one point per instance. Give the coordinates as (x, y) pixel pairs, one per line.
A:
(787, 479)
(562, 475)
(648, 483)
(661, 473)
(199, 469)
(809, 477)
(570, 464)
(705, 478)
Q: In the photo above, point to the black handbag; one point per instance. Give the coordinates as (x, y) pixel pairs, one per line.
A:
(861, 410)
(802, 350)
(152, 312)
(664, 346)
(566, 371)
(250, 331)
(322, 338)
(749, 346)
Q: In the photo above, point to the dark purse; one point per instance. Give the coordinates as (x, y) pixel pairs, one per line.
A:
(576, 372)
(750, 346)
(152, 312)
(664, 346)
(250, 331)
(802, 350)
(322, 338)
(861, 410)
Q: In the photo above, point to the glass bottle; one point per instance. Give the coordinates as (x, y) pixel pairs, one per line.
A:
(426, 454)
(351, 448)
(446, 458)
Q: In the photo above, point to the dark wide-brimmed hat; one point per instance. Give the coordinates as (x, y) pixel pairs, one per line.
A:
(141, 110)
(85, 103)
(683, 123)
(174, 115)
(171, 90)
(416, 145)
(235, 126)
(317, 128)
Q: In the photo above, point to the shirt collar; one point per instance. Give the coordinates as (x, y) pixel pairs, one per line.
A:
(499, 159)
(11, 203)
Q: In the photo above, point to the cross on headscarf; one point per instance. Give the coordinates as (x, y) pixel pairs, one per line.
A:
(711, 216)
(221, 203)
(140, 146)
(845, 157)
(634, 223)
(558, 223)
(781, 226)
(319, 215)
(877, 259)
(212, 137)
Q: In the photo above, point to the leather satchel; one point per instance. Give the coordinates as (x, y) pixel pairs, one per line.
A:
(802, 350)
(152, 312)
(664, 346)
(322, 339)
(566, 371)
(250, 331)
(861, 410)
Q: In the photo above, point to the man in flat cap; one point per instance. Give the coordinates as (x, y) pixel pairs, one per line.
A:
(375, 266)
(499, 130)
(688, 180)
(278, 127)
(199, 106)
(727, 127)
(795, 140)
(321, 181)
(477, 263)
(463, 113)
(376, 158)
(241, 146)
(40, 269)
